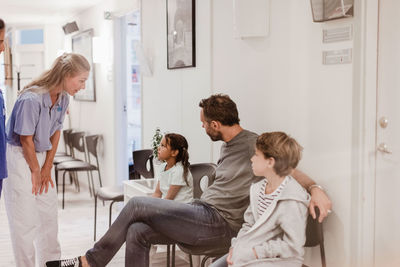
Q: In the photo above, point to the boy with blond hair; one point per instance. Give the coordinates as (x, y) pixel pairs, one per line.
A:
(273, 233)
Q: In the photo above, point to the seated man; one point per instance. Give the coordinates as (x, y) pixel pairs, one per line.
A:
(273, 233)
(210, 221)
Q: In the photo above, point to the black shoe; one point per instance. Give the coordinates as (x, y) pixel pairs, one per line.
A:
(74, 262)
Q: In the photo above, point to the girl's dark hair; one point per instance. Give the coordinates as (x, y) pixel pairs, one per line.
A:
(178, 142)
(2, 24)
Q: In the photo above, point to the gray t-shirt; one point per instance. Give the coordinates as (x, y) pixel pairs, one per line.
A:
(229, 193)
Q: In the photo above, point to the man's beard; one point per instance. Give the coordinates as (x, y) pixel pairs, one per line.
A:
(215, 136)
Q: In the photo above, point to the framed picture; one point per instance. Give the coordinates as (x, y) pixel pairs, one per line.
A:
(82, 44)
(181, 45)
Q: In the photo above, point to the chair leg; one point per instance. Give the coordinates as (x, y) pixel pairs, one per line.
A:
(168, 254)
(98, 172)
(90, 186)
(91, 178)
(95, 216)
(190, 260)
(56, 175)
(173, 256)
(109, 217)
(203, 261)
(65, 172)
(77, 181)
(322, 250)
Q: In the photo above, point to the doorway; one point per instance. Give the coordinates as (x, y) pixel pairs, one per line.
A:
(387, 175)
(129, 95)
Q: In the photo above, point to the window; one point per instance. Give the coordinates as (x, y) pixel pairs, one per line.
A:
(31, 36)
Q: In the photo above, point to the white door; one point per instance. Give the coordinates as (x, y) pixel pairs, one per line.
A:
(30, 66)
(387, 216)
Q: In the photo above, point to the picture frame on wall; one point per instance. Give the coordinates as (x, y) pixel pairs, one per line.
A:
(82, 44)
(181, 34)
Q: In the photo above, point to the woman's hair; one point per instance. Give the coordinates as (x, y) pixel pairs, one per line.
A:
(68, 64)
(283, 148)
(178, 142)
(2, 24)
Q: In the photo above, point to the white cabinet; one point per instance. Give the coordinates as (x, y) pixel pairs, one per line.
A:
(134, 188)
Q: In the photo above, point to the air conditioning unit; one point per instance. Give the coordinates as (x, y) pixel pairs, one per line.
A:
(70, 27)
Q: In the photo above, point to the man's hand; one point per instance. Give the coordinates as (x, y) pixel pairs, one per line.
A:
(45, 179)
(229, 258)
(36, 181)
(319, 199)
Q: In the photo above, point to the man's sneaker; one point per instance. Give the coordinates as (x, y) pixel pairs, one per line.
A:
(74, 262)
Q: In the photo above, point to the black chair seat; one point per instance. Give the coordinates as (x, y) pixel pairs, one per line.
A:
(60, 159)
(115, 193)
(210, 251)
(75, 166)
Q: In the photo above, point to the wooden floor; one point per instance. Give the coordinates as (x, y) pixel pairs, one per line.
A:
(76, 230)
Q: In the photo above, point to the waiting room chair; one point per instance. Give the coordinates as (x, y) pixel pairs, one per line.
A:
(141, 158)
(78, 143)
(199, 172)
(66, 147)
(315, 236)
(64, 156)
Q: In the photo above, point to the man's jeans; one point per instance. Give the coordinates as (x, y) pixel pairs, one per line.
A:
(146, 220)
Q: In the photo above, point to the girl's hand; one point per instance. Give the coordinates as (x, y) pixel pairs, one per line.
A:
(157, 192)
(36, 181)
(229, 258)
(45, 179)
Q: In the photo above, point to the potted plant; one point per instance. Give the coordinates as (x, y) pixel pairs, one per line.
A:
(155, 143)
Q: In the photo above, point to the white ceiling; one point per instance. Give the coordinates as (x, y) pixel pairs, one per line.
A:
(42, 11)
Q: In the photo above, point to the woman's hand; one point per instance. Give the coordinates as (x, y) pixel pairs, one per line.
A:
(36, 181)
(229, 258)
(45, 179)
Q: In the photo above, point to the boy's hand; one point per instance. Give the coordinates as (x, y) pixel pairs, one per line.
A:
(321, 200)
(229, 258)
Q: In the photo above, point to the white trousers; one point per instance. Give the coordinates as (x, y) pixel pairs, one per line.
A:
(32, 219)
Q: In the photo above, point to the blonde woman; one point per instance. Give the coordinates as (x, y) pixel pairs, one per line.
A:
(33, 132)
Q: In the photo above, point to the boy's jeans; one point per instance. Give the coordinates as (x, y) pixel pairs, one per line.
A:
(145, 221)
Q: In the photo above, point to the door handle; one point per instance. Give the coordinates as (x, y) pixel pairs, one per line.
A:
(384, 149)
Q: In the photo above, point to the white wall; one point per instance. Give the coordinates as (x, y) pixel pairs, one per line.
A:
(99, 117)
(171, 97)
(278, 82)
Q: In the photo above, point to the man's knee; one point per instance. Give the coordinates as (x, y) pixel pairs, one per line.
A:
(138, 202)
(138, 233)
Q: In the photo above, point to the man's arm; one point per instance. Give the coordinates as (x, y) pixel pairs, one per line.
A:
(318, 196)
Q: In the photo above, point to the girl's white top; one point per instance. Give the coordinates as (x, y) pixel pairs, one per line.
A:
(174, 176)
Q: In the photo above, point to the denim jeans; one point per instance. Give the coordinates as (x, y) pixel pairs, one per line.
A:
(145, 221)
(221, 262)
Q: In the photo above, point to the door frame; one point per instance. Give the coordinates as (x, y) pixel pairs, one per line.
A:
(121, 162)
(364, 126)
